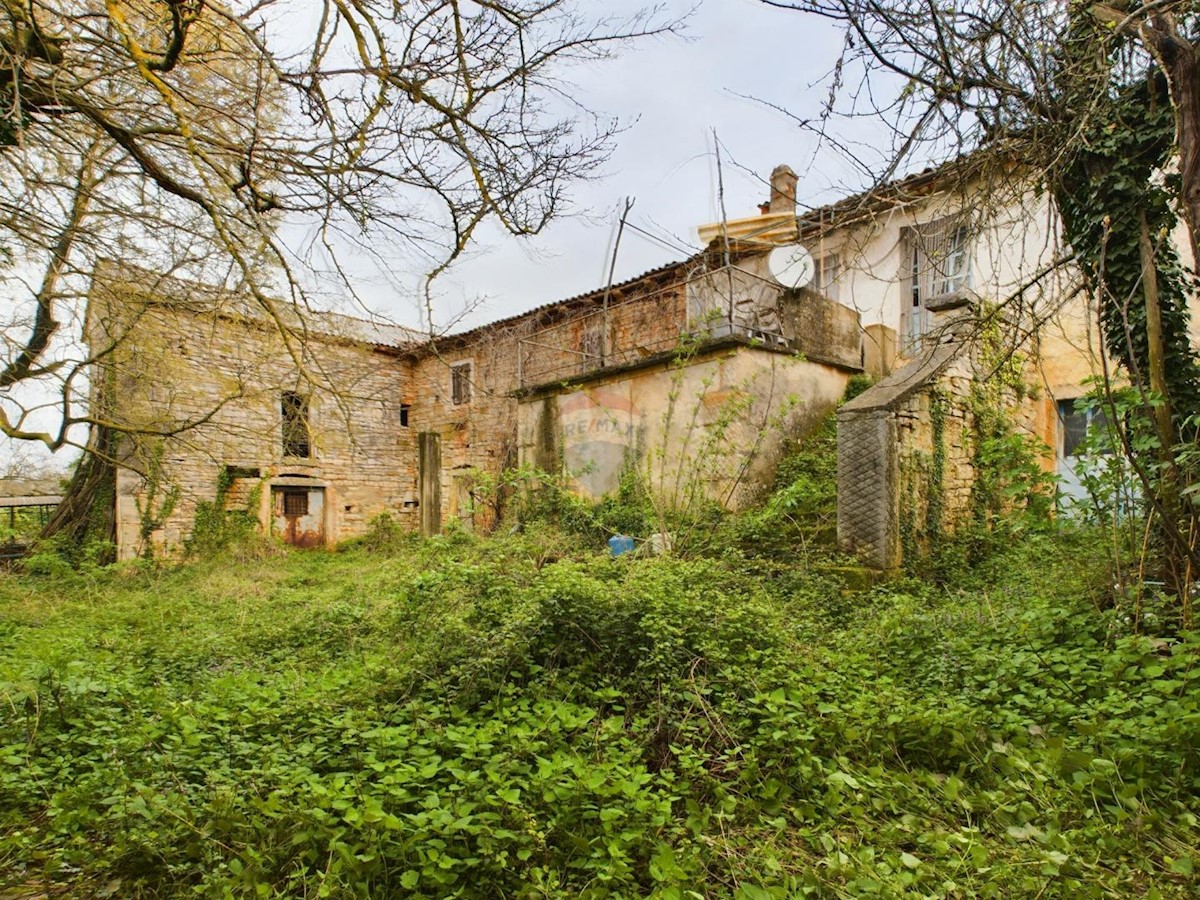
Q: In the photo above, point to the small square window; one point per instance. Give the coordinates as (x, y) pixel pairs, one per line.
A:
(460, 383)
(295, 503)
(405, 408)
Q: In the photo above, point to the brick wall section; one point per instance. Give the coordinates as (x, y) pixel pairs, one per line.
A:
(481, 434)
(639, 323)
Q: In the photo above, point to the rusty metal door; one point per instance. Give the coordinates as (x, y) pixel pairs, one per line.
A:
(298, 515)
(429, 478)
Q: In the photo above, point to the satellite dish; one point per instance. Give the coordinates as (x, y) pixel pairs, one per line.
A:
(791, 265)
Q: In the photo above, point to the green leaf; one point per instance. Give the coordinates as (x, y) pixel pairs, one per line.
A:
(1183, 866)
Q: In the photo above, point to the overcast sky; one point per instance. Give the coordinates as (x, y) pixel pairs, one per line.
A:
(670, 93)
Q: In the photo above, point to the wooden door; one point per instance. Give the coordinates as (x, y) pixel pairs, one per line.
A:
(429, 478)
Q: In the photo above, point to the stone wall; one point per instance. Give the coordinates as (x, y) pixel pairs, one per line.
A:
(199, 391)
(904, 457)
(909, 463)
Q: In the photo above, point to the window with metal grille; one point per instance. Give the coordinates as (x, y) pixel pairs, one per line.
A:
(460, 383)
(295, 503)
(296, 441)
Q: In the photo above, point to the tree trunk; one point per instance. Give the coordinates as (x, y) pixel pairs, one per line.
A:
(87, 514)
(1177, 56)
(1176, 552)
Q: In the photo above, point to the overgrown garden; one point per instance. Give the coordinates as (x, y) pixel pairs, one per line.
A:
(524, 716)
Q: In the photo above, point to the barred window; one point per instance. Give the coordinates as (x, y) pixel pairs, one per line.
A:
(295, 503)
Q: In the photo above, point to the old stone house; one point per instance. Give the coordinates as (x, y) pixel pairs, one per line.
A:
(689, 374)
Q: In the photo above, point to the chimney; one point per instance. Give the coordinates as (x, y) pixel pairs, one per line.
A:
(783, 190)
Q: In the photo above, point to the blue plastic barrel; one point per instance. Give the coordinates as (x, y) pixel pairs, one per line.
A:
(620, 544)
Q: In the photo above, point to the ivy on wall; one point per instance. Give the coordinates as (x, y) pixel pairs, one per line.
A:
(1009, 487)
(1123, 170)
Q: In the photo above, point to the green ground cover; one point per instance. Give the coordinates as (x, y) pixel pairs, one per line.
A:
(517, 718)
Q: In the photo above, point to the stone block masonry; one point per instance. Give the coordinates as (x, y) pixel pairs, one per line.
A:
(909, 468)
(303, 417)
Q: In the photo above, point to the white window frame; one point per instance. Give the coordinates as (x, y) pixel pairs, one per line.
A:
(936, 261)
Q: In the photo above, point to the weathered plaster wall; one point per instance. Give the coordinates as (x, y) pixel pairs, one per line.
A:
(609, 409)
(1015, 237)
(708, 426)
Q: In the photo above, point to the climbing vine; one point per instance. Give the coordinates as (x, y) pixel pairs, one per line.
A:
(1119, 196)
(156, 502)
(215, 526)
(1009, 475)
(935, 507)
(1122, 171)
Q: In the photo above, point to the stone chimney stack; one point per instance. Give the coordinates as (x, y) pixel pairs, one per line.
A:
(783, 190)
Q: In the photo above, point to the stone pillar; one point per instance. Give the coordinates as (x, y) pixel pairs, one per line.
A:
(868, 476)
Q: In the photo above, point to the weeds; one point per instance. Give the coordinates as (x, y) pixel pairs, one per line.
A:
(468, 717)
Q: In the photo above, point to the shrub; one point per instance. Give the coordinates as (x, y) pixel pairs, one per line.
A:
(505, 717)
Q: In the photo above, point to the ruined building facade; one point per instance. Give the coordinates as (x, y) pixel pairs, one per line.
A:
(315, 424)
(690, 375)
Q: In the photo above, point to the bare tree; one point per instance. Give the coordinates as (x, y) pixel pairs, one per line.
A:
(234, 140)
